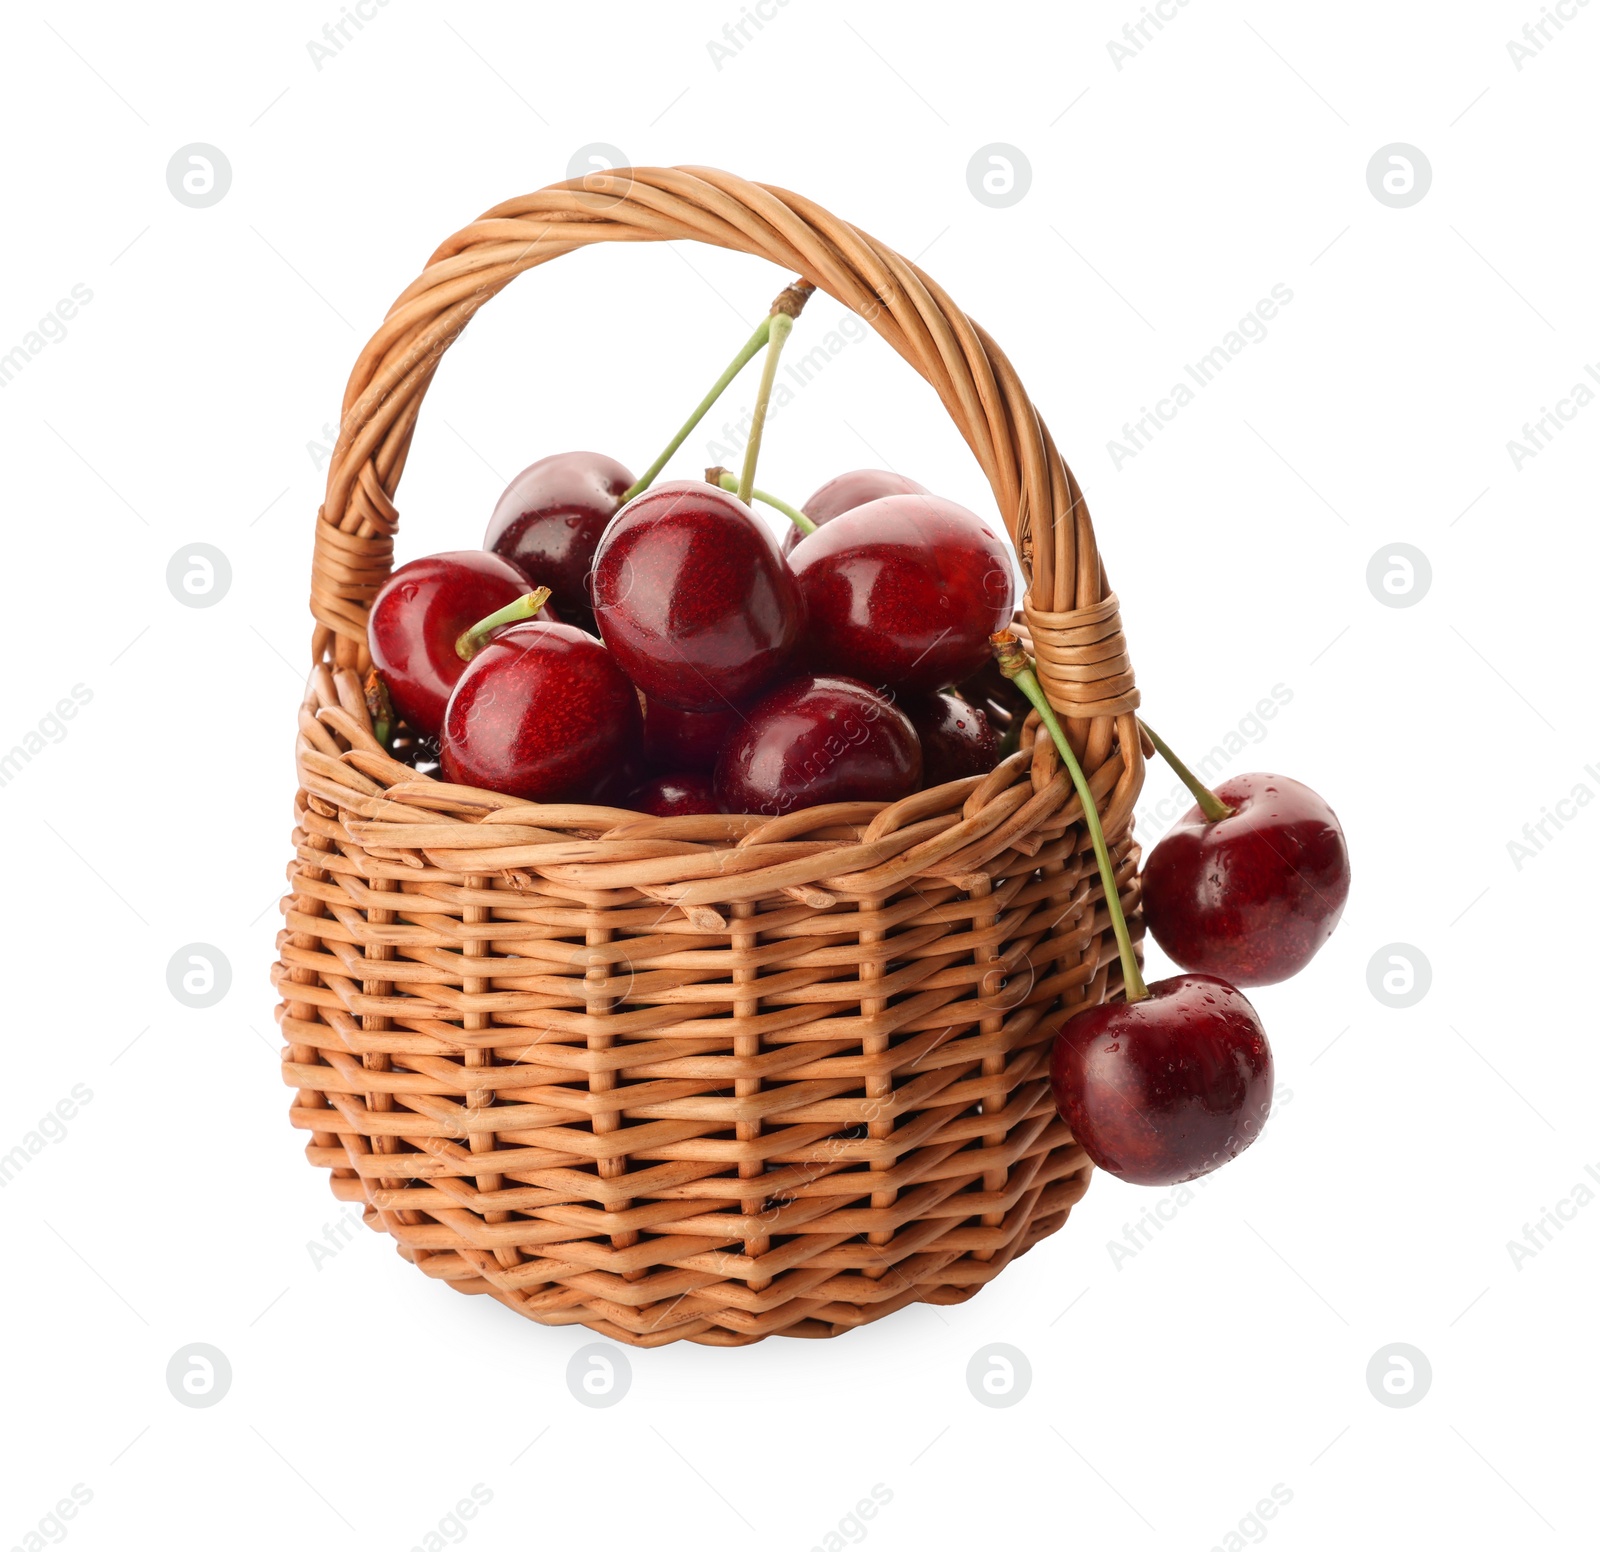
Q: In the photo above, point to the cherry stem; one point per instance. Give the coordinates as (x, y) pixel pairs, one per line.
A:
(788, 303)
(380, 709)
(471, 641)
(726, 479)
(1210, 804)
(781, 324)
(1017, 666)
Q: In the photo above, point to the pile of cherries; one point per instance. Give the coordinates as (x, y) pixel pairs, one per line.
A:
(632, 644)
(681, 663)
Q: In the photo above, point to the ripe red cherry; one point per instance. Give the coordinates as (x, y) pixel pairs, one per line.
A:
(417, 616)
(693, 597)
(1167, 1088)
(1251, 897)
(904, 591)
(845, 491)
(818, 739)
(542, 713)
(957, 738)
(686, 740)
(997, 697)
(549, 520)
(684, 792)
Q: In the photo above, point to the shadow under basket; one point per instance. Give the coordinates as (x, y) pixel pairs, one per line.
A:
(711, 1078)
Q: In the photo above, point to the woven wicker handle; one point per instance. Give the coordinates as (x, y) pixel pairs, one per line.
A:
(1077, 634)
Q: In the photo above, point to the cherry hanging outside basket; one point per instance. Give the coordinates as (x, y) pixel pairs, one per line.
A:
(712, 1078)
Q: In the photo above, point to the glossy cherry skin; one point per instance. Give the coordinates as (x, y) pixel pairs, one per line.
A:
(997, 696)
(819, 738)
(683, 792)
(693, 597)
(957, 738)
(1167, 1088)
(845, 491)
(549, 520)
(904, 591)
(686, 740)
(541, 713)
(1252, 897)
(417, 616)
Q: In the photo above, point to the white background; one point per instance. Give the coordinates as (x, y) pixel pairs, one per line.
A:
(1171, 1390)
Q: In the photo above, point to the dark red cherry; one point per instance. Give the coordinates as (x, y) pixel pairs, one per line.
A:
(1251, 897)
(957, 738)
(549, 520)
(1167, 1088)
(818, 739)
(845, 491)
(683, 792)
(693, 597)
(417, 616)
(904, 591)
(998, 697)
(686, 740)
(542, 713)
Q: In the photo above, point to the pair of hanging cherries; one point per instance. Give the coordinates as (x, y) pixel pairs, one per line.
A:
(1161, 1087)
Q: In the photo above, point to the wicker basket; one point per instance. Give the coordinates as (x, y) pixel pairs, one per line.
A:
(715, 1078)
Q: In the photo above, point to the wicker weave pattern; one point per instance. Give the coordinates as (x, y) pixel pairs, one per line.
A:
(722, 1077)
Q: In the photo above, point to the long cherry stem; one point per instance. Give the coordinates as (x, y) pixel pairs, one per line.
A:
(471, 641)
(781, 324)
(1017, 666)
(1210, 804)
(726, 479)
(787, 305)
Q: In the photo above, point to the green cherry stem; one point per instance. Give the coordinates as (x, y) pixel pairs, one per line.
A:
(1210, 804)
(726, 479)
(471, 641)
(1017, 666)
(781, 324)
(380, 709)
(787, 305)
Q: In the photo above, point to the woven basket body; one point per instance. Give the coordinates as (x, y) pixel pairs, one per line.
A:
(722, 1077)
